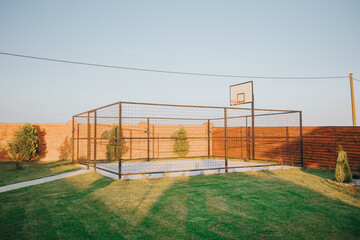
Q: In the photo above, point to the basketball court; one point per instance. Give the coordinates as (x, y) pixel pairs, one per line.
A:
(150, 140)
(177, 168)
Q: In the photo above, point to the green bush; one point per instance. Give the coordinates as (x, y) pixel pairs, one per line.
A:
(115, 146)
(24, 145)
(181, 143)
(342, 170)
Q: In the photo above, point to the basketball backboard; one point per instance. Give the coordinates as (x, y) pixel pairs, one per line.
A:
(241, 93)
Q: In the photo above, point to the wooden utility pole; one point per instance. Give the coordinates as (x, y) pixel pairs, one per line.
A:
(352, 100)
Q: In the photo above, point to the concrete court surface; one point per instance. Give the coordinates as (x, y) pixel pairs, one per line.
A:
(128, 168)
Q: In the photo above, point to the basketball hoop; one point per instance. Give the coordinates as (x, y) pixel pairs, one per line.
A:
(241, 93)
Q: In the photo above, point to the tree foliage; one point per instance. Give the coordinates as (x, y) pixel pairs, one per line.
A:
(115, 145)
(24, 145)
(342, 170)
(105, 134)
(181, 143)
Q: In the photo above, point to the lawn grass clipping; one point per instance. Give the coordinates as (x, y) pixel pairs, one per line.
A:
(283, 204)
(32, 170)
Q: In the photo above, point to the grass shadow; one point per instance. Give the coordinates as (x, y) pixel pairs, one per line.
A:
(252, 205)
(248, 206)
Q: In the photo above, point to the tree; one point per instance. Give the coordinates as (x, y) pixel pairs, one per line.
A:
(342, 170)
(24, 145)
(65, 149)
(115, 145)
(181, 143)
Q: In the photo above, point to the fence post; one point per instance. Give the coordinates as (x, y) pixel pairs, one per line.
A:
(153, 142)
(88, 141)
(247, 139)
(158, 145)
(148, 139)
(78, 142)
(208, 130)
(73, 140)
(301, 141)
(95, 121)
(120, 141)
(287, 154)
(130, 143)
(225, 135)
(253, 128)
(241, 139)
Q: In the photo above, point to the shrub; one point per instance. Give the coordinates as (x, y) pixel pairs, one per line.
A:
(115, 146)
(181, 143)
(24, 145)
(342, 170)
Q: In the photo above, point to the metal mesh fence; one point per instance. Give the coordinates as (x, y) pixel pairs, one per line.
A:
(141, 139)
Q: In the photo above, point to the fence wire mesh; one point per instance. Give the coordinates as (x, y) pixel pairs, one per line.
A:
(151, 139)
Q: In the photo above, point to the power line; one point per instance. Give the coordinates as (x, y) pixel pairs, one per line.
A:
(356, 79)
(165, 71)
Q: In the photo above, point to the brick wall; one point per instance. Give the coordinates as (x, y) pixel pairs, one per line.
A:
(52, 137)
(160, 146)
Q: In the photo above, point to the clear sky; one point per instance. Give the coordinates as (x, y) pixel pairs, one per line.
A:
(257, 38)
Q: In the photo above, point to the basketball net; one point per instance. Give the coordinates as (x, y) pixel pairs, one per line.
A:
(237, 101)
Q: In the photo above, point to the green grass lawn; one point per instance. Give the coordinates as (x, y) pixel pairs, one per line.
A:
(283, 204)
(32, 170)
